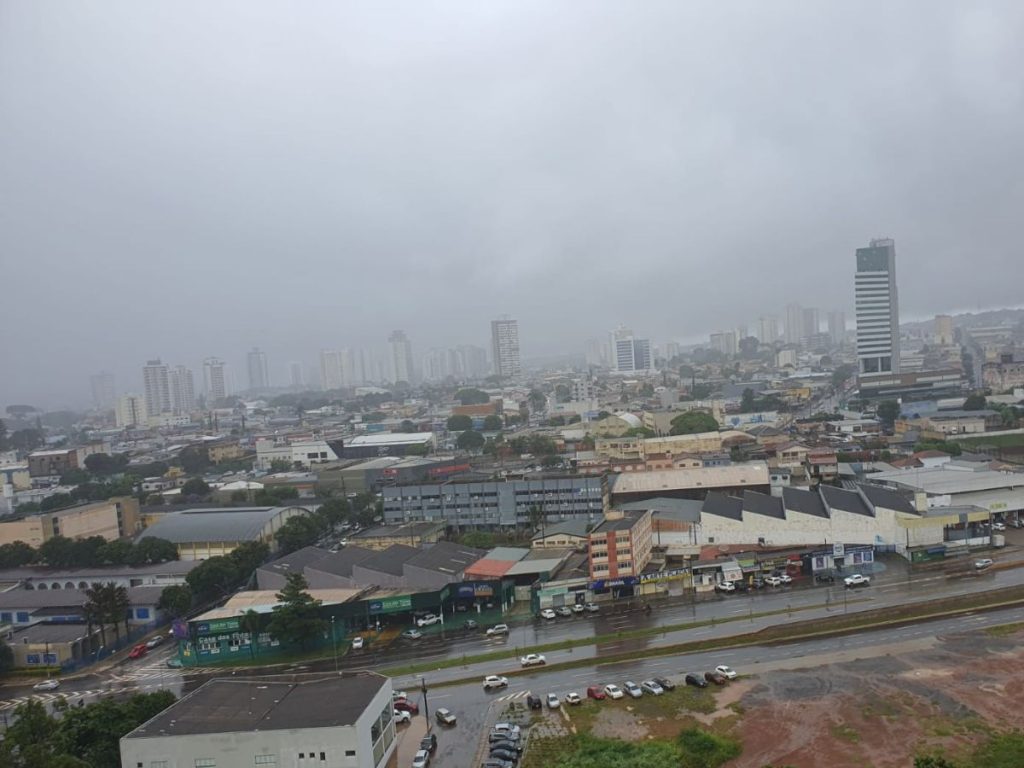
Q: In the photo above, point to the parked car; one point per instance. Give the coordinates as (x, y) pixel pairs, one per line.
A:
(421, 759)
(495, 681)
(632, 689)
(412, 634)
(498, 741)
(153, 642)
(534, 702)
(445, 716)
(497, 762)
(547, 613)
(785, 577)
(138, 651)
(857, 580)
(715, 677)
(552, 701)
(357, 643)
(404, 705)
(498, 629)
(573, 698)
(824, 578)
(696, 680)
(740, 586)
(578, 608)
(596, 692)
(429, 742)
(401, 716)
(507, 728)
(772, 581)
(427, 620)
(757, 582)
(612, 691)
(590, 608)
(175, 663)
(47, 685)
(469, 624)
(396, 695)
(998, 527)
(726, 671)
(533, 660)
(725, 586)
(503, 754)
(564, 610)
(665, 683)
(652, 687)
(984, 562)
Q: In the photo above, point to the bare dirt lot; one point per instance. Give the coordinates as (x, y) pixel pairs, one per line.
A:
(948, 692)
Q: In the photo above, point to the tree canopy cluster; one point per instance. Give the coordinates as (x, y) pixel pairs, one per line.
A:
(62, 552)
(217, 576)
(693, 422)
(471, 396)
(76, 737)
(305, 530)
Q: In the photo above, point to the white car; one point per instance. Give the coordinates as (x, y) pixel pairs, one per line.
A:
(47, 685)
(357, 643)
(401, 716)
(857, 580)
(984, 562)
(726, 671)
(498, 629)
(506, 728)
(998, 527)
(153, 642)
(577, 608)
(564, 610)
(553, 702)
(591, 608)
(547, 613)
(652, 688)
(725, 586)
(495, 681)
(785, 578)
(428, 620)
(533, 660)
(421, 760)
(573, 698)
(396, 695)
(612, 691)
(632, 689)
(772, 581)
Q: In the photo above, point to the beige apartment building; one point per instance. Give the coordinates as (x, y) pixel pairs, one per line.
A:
(620, 545)
(111, 519)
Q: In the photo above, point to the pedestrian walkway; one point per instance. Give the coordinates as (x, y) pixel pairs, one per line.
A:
(409, 739)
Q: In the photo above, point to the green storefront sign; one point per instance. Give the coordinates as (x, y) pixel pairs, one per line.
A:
(391, 604)
(217, 625)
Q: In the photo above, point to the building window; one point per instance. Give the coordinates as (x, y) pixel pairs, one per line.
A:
(157, 764)
(323, 756)
(142, 613)
(206, 762)
(350, 753)
(265, 760)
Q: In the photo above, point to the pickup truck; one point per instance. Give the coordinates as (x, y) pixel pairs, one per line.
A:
(857, 580)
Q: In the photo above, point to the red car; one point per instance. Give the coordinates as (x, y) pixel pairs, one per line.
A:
(596, 692)
(138, 651)
(404, 705)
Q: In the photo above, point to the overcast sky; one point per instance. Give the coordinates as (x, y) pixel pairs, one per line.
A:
(184, 179)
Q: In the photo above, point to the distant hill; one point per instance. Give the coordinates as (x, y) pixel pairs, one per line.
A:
(988, 317)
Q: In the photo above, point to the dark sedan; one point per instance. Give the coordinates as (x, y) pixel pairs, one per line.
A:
(696, 680)
(665, 683)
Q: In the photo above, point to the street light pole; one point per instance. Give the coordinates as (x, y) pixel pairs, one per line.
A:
(334, 645)
(426, 707)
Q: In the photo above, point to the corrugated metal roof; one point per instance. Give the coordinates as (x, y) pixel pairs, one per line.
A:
(214, 524)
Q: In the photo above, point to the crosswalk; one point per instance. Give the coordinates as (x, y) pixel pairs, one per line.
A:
(51, 697)
(513, 696)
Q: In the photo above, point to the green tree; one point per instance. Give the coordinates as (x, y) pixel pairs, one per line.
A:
(335, 511)
(459, 423)
(248, 557)
(16, 554)
(536, 400)
(105, 464)
(975, 402)
(842, 374)
(280, 465)
(1004, 750)
(152, 549)
(114, 553)
(470, 440)
(702, 749)
(297, 532)
(175, 599)
(556, 421)
(470, 396)
(92, 733)
(213, 578)
(748, 403)
(933, 761)
(295, 619)
(25, 440)
(195, 486)
(4, 442)
(693, 422)
(106, 604)
(74, 477)
(477, 539)
(888, 411)
(407, 426)
(194, 459)
(6, 658)
(57, 552)
(492, 423)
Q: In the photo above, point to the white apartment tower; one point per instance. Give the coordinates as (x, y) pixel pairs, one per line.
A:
(156, 387)
(183, 390)
(259, 374)
(402, 368)
(505, 347)
(878, 313)
(131, 411)
(794, 327)
(104, 397)
(331, 371)
(214, 384)
(767, 329)
(628, 352)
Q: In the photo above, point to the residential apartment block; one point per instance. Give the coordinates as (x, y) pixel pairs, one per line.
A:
(620, 545)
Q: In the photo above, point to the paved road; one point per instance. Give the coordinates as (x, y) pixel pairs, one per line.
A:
(894, 585)
(473, 706)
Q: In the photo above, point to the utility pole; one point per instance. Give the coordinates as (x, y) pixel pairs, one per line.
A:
(334, 644)
(426, 707)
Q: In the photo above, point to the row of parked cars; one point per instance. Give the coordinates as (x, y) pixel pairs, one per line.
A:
(568, 610)
(504, 746)
(656, 686)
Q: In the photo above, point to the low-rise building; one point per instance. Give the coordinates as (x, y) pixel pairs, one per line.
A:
(620, 545)
(387, 444)
(206, 532)
(690, 483)
(416, 534)
(565, 534)
(111, 519)
(341, 721)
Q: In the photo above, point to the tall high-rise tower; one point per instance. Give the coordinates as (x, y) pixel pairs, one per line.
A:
(156, 387)
(331, 374)
(259, 374)
(183, 390)
(505, 346)
(837, 326)
(878, 311)
(794, 327)
(214, 384)
(401, 357)
(104, 397)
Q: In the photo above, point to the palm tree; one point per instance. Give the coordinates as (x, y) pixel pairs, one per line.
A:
(119, 605)
(93, 610)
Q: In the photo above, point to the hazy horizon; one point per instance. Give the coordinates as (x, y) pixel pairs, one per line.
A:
(183, 180)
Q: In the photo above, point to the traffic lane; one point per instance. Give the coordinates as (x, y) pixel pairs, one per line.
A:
(470, 703)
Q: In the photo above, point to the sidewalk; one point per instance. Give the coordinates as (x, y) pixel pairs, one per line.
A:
(409, 740)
